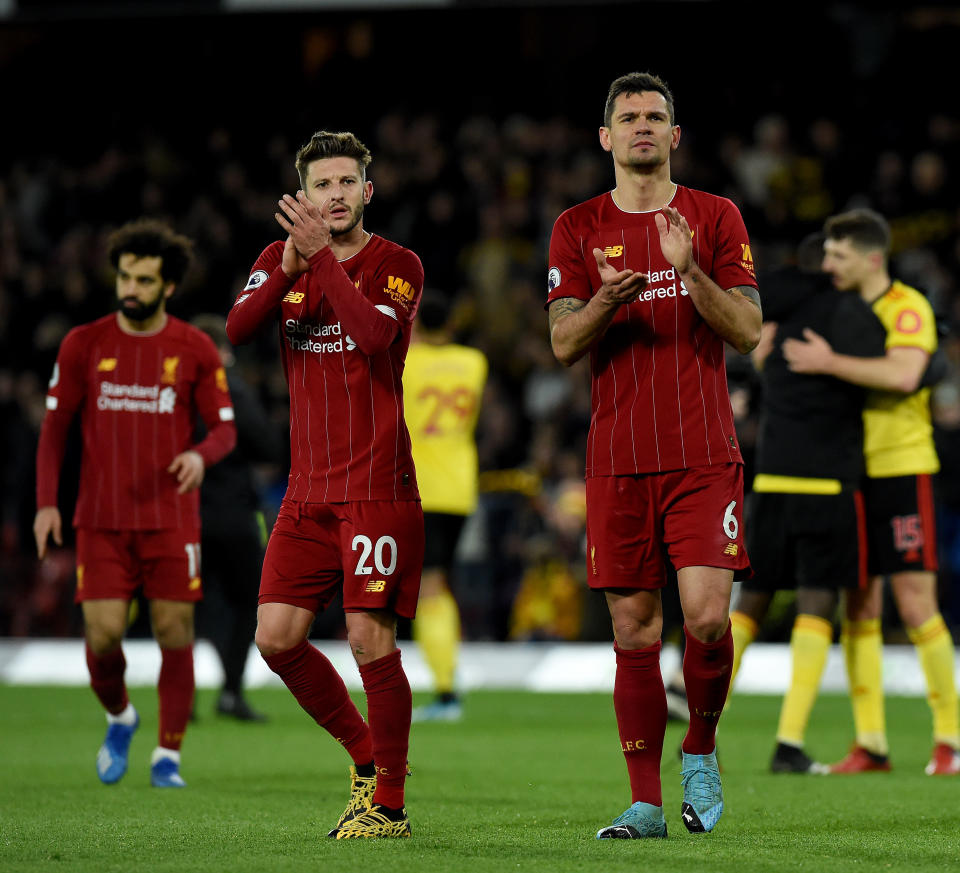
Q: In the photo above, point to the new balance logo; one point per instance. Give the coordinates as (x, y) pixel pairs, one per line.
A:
(106, 365)
(732, 549)
(294, 297)
(375, 586)
(613, 252)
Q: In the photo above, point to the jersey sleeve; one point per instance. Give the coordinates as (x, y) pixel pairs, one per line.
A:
(212, 398)
(258, 302)
(913, 324)
(567, 275)
(65, 396)
(397, 286)
(733, 261)
(372, 322)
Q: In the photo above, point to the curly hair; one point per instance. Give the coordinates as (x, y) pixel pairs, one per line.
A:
(149, 238)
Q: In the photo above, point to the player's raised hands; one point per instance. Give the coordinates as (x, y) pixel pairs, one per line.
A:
(188, 467)
(293, 263)
(305, 222)
(46, 523)
(619, 286)
(676, 241)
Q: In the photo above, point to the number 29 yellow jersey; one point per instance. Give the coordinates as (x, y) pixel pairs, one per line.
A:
(442, 389)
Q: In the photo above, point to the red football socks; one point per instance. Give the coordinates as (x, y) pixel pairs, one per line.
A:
(389, 706)
(640, 702)
(707, 668)
(319, 689)
(175, 689)
(106, 679)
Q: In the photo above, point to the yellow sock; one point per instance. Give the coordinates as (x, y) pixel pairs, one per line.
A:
(809, 645)
(935, 649)
(862, 644)
(437, 630)
(744, 630)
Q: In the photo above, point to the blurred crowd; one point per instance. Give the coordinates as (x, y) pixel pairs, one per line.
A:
(476, 198)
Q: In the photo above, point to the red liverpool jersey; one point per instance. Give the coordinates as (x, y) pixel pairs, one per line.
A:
(138, 397)
(659, 384)
(344, 331)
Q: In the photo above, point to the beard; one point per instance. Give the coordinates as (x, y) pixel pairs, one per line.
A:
(352, 221)
(138, 310)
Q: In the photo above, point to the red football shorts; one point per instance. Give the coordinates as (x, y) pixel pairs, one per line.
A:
(114, 564)
(693, 518)
(374, 548)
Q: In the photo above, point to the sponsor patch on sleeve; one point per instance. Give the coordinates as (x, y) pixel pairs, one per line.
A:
(257, 279)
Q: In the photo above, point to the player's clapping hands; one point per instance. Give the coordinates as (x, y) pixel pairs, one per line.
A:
(619, 286)
(305, 222)
(676, 241)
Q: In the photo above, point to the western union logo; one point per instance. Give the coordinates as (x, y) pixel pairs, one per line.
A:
(106, 365)
(195, 583)
(294, 297)
(613, 252)
(399, 288)
(746, 254)
(593, 559)
(221, 378)
(169, 376)
(375, 586)
(79, 576)
(731, 549)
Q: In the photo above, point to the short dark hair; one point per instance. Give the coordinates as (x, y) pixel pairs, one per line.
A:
(864, 228)
(434, 309)
(634, 83)
(150, 238)
(324, 144)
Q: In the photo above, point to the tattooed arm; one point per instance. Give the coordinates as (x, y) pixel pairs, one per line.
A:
(733, 313)
(575, 324)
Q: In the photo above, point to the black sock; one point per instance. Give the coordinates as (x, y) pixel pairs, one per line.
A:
(366, 770)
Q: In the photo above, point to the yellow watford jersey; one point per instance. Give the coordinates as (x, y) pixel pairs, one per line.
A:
(898, 435)
(442, 387)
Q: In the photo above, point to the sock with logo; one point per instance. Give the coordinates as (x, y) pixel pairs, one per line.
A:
(106, 679)
(706, 673)
(934, 647)
(744, 630)
(640, 703)
(389, 707)
(862, 643)
(318, 688)
(175, 689)
(437, 631)
(809, 646)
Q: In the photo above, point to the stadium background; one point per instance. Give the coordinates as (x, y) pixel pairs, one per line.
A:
(482, 120)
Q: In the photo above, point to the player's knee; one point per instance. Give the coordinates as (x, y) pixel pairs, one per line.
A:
(708, 626)
(269, 642)
(103, 640)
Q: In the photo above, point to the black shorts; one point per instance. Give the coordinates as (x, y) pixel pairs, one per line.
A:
(442, 533)
(806, 540)
(901, 525)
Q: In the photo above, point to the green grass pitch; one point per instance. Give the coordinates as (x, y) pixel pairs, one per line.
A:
(523, 783)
